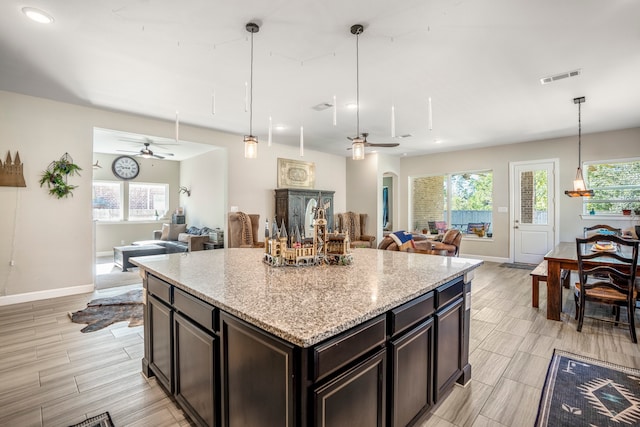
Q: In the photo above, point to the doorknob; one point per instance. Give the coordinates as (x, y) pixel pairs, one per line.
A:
(515, 226)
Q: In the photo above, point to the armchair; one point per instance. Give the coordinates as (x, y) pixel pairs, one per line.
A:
(355, 225)
(243, 230)
(450, 243)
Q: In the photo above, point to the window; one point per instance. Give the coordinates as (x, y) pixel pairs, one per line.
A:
(615, 185)
(146, 201)
(143, 201)
(107, 201)
(456, 199)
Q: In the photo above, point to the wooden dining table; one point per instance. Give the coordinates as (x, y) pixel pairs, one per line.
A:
(563, 257)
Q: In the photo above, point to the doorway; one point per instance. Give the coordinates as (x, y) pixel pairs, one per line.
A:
(534, 216)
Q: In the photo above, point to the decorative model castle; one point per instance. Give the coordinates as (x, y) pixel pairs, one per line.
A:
(11, 172)
(280, 249)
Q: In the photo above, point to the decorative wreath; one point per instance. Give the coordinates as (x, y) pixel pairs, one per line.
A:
(55, 176)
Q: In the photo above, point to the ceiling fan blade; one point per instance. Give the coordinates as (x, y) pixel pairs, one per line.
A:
(390, 144)
(157, 156)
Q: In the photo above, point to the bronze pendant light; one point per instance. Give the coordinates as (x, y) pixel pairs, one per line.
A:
(579, 187)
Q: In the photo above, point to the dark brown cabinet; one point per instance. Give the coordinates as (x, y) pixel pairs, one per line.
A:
(388, 370)
(412, 375)
(195, 362)
(159, 322)
(449, 346)
(355, 398)
(294, 206)
(257, 376)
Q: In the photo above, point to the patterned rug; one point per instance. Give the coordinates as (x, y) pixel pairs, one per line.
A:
(580, 391)
(102, 420)
(103, 312)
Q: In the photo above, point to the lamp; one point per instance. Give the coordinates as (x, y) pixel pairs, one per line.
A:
(579, 187)
(250, 141)
(357, 144)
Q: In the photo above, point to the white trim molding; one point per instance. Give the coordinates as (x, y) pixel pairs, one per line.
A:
(41, 295)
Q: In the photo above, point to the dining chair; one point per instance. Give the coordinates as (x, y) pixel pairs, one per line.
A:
(607, 271)
(602, 229)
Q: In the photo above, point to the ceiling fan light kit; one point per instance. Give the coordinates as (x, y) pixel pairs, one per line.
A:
(579, 187)
(251, 141)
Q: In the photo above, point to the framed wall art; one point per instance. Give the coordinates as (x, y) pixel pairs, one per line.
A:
(296, 174)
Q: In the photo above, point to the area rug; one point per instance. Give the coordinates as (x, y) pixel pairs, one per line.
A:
(103, 312)
(102, 420)
(580, 391)
(519, 265)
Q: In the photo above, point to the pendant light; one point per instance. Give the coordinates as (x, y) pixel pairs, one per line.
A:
(579, 187)
(357, 144)
(250, 141)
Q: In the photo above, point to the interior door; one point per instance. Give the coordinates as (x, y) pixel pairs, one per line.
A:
(534, 212)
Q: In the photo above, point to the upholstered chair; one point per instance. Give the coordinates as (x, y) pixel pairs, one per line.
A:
(450, 245)
(243, 230)
(354, 225)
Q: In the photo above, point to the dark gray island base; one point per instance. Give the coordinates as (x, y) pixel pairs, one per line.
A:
(238, 343)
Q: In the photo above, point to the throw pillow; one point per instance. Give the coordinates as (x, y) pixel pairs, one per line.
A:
(184, 237)
(175, 230)
(193, 230)
(403, 239)
(165, 232)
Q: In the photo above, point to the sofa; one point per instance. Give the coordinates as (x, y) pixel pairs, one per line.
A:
(178, 238)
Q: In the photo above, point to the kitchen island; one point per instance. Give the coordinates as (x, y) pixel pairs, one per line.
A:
(238, 342)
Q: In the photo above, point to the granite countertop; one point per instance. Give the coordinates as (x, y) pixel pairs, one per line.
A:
(305, 305)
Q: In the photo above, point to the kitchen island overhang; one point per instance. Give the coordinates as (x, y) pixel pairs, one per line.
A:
(308, 309)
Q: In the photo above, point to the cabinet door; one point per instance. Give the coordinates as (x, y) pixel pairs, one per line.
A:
(412, 374)
(449, 338)
(160, 341)
(195, 361)
(257, 378)
(355, 398)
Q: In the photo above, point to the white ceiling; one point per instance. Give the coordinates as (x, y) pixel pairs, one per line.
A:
(479, 61)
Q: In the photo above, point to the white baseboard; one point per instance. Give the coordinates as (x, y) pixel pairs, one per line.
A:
(40, 295)
(485, 258)
(105, 253)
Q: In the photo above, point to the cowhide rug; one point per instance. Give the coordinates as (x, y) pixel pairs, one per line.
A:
(103, 312)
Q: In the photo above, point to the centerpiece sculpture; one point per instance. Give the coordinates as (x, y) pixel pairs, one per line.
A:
(282, 249)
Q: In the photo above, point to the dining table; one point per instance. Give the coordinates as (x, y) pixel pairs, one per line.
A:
(564, 256)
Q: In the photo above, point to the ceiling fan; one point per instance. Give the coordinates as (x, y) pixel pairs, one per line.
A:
(146, 152)
(363, 136)
(359, 142)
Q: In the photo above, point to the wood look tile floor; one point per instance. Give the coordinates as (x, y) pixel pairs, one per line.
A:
(53, 375)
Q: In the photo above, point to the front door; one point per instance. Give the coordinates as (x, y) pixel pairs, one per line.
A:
(533, 210)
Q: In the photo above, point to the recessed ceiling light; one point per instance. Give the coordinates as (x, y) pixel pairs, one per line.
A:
(37, 15)
(406, 135)
(352, 105)
(279, 127)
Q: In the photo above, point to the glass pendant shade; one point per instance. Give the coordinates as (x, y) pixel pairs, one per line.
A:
(357, 149)
(250, 147)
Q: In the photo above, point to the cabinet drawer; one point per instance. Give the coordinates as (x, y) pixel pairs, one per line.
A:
(448, 292)
(345, 348)
(412, 312)
(195, 309)
(159, 288)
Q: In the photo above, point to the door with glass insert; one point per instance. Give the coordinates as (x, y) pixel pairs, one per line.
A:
(533, 213)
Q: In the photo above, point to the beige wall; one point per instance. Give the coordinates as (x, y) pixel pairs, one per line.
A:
(51, 240)
(601, 146)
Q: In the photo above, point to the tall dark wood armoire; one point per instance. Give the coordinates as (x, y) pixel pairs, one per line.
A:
(294, 206)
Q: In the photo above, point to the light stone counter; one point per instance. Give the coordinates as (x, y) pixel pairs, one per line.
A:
(305, 305)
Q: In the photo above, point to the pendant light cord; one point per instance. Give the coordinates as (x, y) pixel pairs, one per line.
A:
(579, 135)
(358, 85)
(251, 91)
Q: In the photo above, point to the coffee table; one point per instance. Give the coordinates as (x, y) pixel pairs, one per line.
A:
(121, 254)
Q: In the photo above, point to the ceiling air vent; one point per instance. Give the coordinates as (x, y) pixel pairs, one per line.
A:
(555, 78)
(322, 106)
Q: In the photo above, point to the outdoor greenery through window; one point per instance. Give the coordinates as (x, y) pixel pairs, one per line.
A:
(463, 201)
(615, 185)
(143, 201)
